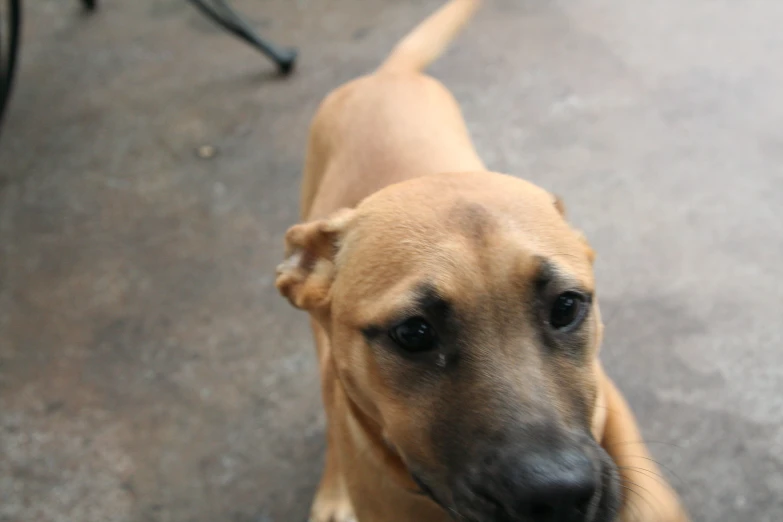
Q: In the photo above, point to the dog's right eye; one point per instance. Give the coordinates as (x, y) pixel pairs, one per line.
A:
(567, 311)
(415, 335)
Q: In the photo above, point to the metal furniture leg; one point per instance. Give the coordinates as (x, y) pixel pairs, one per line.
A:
(229, 19)
(9, 52)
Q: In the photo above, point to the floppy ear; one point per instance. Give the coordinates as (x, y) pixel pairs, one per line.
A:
(306, 275)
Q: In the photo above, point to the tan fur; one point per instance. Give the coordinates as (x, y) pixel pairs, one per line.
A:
(351, 267)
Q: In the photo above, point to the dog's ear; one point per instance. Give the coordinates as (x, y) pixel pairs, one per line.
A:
(306, 275)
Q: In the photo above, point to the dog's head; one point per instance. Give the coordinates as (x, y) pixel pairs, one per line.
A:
(463, 322)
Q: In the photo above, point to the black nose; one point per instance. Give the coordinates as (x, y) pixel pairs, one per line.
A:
(556, 485)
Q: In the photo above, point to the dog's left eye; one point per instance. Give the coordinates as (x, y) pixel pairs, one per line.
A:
(568, 311)
(414, 335)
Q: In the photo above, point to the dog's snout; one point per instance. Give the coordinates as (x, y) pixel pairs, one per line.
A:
(555, 485)
(545, 484)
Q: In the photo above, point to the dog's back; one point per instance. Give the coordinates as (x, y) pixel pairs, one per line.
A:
(392, 125)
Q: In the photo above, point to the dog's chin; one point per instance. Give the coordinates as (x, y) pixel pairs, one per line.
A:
(475, 506)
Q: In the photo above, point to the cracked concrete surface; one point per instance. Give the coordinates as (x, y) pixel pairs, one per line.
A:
(149, 372)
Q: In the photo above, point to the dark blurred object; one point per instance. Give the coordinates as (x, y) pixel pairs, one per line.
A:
(10, 27)
(222, 14)
(216, 10)
(10, 32)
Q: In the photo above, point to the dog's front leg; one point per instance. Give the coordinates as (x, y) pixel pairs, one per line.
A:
(331, 503)
(647, 495)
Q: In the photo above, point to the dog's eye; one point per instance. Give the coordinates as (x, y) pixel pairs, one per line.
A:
(567, 311)
(414, 335)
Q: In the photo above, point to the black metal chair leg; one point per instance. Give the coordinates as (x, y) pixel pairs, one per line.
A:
(222, 14)
(10, 53)
(90, 5)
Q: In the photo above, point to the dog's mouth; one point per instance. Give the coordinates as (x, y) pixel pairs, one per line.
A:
(425, 491)
(479, 503)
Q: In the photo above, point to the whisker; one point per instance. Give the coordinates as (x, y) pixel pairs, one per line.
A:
(659, 478)
(631, 501)
(642, 442)
(455, 513)
(625, 480)
(664, 466)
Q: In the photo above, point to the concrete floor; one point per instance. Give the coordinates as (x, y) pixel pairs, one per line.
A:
(149, 372)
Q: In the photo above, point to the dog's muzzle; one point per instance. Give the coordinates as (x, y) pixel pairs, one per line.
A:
(575, 483)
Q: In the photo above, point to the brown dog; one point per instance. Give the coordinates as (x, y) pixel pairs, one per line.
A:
(456, 322)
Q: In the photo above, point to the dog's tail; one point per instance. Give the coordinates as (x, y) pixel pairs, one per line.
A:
(429, 39)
